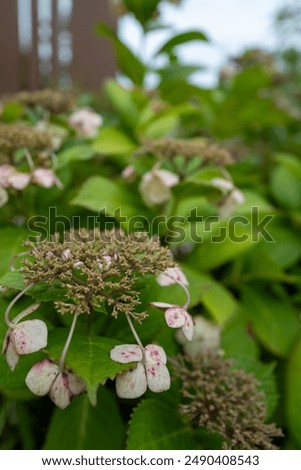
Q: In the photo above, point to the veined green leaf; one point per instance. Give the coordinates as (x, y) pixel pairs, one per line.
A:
(83, 427)
(89, 357)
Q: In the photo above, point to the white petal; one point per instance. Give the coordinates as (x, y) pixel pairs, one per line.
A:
(170, 179)
(60, 392)
(155, 355)
(188, 328)
(153, 189)
(172, 276)
(162, 305)
(158, 378)
(76, 384)
(175, 317)
(41, 376)
(30, 336)
(126, 353)
(19, 180)
(11, 355)
(131, 384)
(44, 177)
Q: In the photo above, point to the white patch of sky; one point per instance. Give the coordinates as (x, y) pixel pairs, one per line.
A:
(231, 25)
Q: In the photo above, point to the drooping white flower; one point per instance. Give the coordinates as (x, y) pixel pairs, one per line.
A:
(230, 202)
(45, 178)
(19, 180)
(85, 122)
(45, 378)
(206, 337)
(151, 370)
(25, 338)
(155, 186)
(172, 276)
(177, 317)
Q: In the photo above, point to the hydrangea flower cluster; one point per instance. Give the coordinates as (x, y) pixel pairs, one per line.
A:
(97, 272)
(37, 146)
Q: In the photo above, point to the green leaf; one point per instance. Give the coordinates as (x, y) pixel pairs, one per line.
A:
(286, 187)
(11, 112)
(11, 244)
(236, 339)
(143, 11)
(293, 397)
(112, 141)
(156, 425)
(75, 153)
(275, 322)
(89, 357)
(162, 125)
(122, 100)
(83, 427)
(220, 247)
(99, 193)
(14, 280)
(126, 60)
(180, 39)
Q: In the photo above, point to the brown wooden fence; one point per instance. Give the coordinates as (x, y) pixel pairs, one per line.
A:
(61, 47)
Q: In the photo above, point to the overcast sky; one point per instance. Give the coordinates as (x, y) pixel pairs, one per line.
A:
(231, 25)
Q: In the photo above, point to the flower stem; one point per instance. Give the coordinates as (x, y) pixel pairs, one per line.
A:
(67, 344)
(27, 311)
(138, 340)
(29, 159)
(186, 305)
(15, 300)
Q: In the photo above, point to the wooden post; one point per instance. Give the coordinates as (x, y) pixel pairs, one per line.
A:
(9, 47)
(93, 58)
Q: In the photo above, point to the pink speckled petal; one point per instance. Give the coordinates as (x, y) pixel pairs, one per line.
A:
(172, 276)
(131, 384)
(125, 353)
(158, 378)
(188, 328)
(11, 355)
(155, 355)
(175, 317)
(162, 305)
(170, 179)
(30, 336)
(41, 376)
(76, 384)
(60, 392)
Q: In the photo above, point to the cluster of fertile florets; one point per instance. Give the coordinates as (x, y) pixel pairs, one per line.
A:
(224, 400)
(96, 272)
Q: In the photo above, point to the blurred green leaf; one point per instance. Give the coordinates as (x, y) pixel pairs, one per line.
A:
(128, 62)
(180, 39)
(83, 427)
(112, 141)
(99, 193)
(11, 112)
(11, 244)
(275, 323)
(75, 153)
(286, 187)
